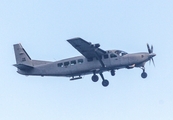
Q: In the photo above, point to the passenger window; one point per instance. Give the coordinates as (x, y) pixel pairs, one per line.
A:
(90, 59)
(80, 61)
(66, 64)
(73, 62)
(113, 56)
(60, 65)
(106, 56)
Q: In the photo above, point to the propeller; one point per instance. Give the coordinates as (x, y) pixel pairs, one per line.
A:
(150, 51)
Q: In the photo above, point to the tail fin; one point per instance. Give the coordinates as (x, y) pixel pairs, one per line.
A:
(23, 61)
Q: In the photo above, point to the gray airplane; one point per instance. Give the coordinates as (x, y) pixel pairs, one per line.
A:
(94, 61)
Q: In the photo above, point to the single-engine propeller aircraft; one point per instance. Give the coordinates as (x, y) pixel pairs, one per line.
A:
(94, 61)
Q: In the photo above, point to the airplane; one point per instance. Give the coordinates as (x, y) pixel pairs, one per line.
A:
(94, 60)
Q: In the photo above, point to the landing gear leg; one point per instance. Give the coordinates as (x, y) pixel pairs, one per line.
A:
(144, 74)
(105, 82)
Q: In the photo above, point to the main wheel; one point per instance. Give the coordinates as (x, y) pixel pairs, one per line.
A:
(144, 75)
(95, 78)
(105, 83)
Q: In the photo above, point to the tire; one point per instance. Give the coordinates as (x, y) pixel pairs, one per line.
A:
(95, 78)
(144, 75)
(105, 83)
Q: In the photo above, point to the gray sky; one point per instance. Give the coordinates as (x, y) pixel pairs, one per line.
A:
(44, 27)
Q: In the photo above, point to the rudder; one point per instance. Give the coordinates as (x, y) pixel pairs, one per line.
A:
(22, 58)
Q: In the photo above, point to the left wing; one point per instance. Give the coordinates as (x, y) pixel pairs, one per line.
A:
(87, 49)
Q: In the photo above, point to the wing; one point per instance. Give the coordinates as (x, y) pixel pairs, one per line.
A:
(86, 48)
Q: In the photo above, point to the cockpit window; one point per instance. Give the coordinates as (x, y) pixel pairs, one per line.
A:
(106, 56)
(120, 53)
(113, 55)
(117, 52)
(124, 53)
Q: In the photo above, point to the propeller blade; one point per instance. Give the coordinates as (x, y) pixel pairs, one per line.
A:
(148, 47)
(153, 62)
(151, 48)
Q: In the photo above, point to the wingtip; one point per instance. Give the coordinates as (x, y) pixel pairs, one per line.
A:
(74, 38)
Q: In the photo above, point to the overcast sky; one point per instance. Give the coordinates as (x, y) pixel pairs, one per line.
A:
(43, 28)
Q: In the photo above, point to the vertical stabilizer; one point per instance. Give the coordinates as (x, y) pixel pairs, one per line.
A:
(22, 58)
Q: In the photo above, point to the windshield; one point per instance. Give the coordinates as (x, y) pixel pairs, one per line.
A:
(120, 53)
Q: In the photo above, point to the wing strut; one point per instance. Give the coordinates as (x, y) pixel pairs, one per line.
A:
(100, 59)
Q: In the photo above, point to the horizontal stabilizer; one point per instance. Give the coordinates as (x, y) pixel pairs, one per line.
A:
(23, 67)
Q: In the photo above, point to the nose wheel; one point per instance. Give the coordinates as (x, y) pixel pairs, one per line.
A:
(143, 74)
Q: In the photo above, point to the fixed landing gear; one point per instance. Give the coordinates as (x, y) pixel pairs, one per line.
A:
(105, 82)
(143, 74)
(95, 78)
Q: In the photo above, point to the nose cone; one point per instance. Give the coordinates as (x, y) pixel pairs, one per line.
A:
(152, 55)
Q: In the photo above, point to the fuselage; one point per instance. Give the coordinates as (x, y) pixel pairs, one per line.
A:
(77, 66)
